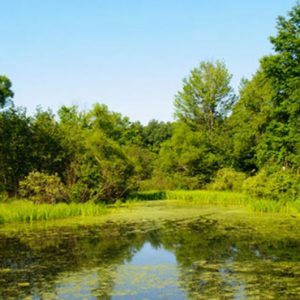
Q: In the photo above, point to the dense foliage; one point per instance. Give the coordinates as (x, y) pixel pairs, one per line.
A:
(219, 140)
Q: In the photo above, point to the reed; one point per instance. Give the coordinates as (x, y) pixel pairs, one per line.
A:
(223, 198)
(206, 197)
(26, 211)
(195, 197)
(271, 206)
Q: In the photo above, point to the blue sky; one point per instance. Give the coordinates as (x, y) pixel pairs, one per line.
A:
(128, 54)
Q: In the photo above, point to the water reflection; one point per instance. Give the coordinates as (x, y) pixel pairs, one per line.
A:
(186, 259)
(151, 274)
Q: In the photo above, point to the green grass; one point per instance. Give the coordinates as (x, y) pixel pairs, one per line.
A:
(271, 206)
(223, 198)
(195, 197)
(26, 211)
(209, 197)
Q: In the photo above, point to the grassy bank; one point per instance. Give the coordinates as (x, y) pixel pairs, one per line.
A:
(202, 197)
(223, 198)
(26, 211)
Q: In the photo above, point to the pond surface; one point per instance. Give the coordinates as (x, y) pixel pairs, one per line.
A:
(187, 258)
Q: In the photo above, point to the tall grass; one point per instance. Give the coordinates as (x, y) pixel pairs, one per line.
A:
(209, 197)
(195, 197)
(26, 211)
(271, 206)
(223, 198)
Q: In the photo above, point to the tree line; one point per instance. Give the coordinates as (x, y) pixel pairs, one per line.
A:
(219, 139)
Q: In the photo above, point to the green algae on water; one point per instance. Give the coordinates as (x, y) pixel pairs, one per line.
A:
(154, 250)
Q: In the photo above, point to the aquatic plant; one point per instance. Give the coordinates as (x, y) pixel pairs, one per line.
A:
(26, 211)
(196, 196)
(271, 206)
(223, 198)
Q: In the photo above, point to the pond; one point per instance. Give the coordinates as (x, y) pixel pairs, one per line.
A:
(196, 257)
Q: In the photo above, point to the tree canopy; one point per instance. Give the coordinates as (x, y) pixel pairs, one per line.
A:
(217, 136)
(206, 96)
(5, 91)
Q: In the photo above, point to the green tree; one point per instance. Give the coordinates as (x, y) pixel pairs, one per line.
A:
(196, 149)
(248, 121)
(282, 137)
(206, 96)
(155, 133)
(104, 169)
(142, 160)
(111, 123)
(73, 125)
(5, 90)
(99, 168)
(132, 134)
(189, 157)
(49, 154)
(16, 148)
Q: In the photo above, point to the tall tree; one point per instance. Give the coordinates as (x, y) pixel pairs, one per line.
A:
(282, 138)
(189, 158)
(104, 169)
(50, 154)
(206, 96)
(111, 123)
(248, 121)
(16, 148)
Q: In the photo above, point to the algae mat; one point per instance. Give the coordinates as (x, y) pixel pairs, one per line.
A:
(154, 250)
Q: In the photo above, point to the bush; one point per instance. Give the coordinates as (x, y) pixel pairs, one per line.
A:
(43, 188)
(280, 185)
(175, 181)
(79, 192)
(228, 179)
(172, 182)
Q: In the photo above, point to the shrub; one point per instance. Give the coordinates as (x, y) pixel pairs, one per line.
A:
(79, 192)
(228, 179)
(43, 188)
(280, 185)
(175, 181)
(257, 185)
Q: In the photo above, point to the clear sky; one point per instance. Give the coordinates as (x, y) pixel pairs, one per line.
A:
(129, 54)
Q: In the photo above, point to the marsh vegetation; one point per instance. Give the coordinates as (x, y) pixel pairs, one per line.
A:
(153, 250)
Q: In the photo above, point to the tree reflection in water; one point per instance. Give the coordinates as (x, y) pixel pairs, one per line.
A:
(195, 259)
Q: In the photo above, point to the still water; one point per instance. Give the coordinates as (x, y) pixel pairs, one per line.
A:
(194, 258)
